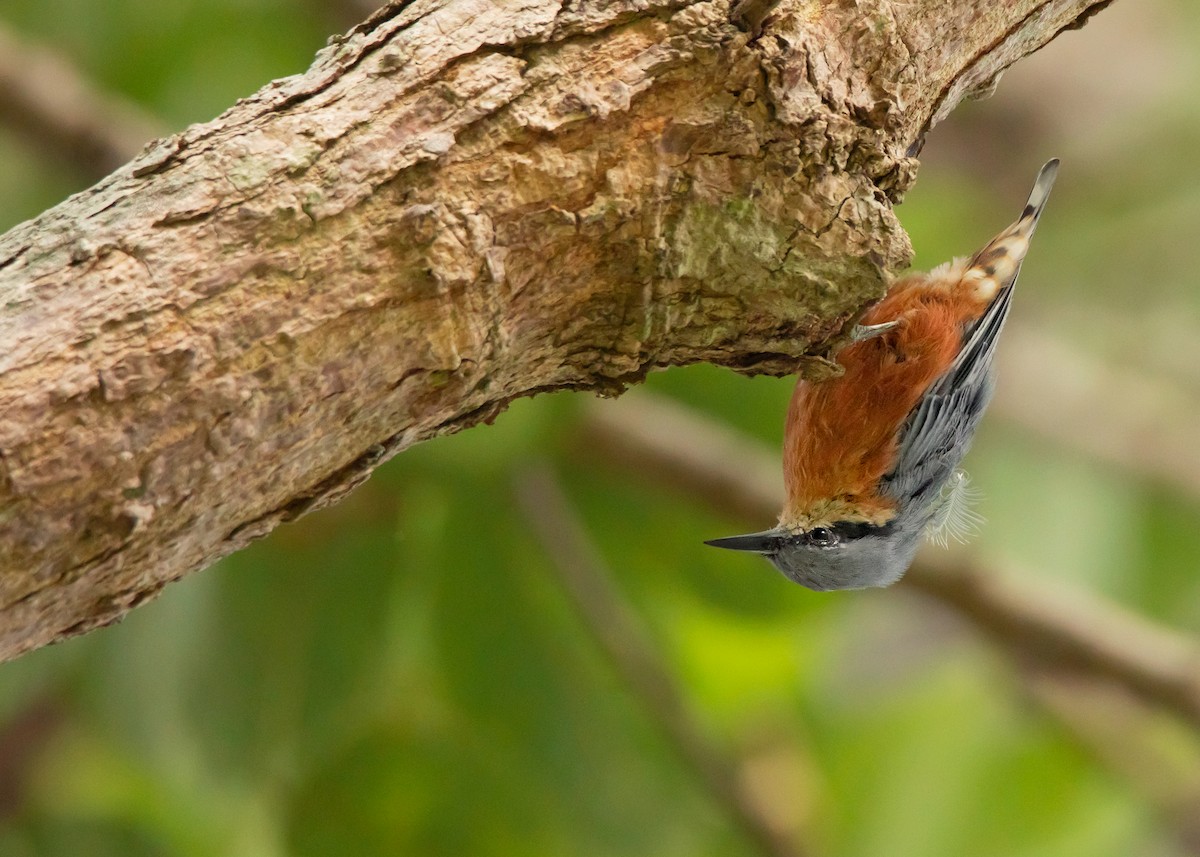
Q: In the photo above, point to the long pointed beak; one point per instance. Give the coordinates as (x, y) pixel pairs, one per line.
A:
(764, 542)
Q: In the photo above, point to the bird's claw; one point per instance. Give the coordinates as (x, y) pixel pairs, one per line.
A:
(862, 332)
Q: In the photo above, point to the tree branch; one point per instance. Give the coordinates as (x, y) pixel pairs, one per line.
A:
(457, 205)
(1130, 420)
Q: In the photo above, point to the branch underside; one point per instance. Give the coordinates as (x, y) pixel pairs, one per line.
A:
(459, 204)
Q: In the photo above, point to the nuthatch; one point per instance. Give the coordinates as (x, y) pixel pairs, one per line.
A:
(870, 458)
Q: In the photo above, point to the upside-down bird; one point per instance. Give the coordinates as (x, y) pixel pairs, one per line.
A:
(870, 458)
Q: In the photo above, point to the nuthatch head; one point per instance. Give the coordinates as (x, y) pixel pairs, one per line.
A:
(870, 459)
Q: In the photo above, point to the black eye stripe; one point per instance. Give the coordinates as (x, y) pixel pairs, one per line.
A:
(836, 533)
(850, 530)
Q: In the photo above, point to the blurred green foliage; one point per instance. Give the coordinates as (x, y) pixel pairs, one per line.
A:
(401, 674)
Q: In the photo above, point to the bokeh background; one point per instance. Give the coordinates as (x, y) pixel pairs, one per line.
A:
(405, 673)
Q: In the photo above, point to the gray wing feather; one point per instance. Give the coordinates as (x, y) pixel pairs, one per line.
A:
(938, 432)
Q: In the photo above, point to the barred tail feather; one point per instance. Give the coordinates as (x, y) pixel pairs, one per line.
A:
(996, 266)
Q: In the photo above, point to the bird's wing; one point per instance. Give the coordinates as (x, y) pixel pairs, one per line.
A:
(938, 432)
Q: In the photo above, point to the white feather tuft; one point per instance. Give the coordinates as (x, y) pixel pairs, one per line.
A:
(953, 517)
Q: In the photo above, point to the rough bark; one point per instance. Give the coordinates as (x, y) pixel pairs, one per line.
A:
(460, 203)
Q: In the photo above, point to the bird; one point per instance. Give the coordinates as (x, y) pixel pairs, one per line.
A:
(871, 457)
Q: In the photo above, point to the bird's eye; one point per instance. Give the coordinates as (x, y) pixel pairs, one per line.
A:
(822, 537)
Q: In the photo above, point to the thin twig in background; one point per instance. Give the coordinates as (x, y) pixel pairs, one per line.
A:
(1136, 423)
(1070, 627)
(627, 644)
(49, 102)
(1026, 617)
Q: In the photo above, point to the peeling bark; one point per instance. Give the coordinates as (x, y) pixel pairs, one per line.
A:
(460, 203)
